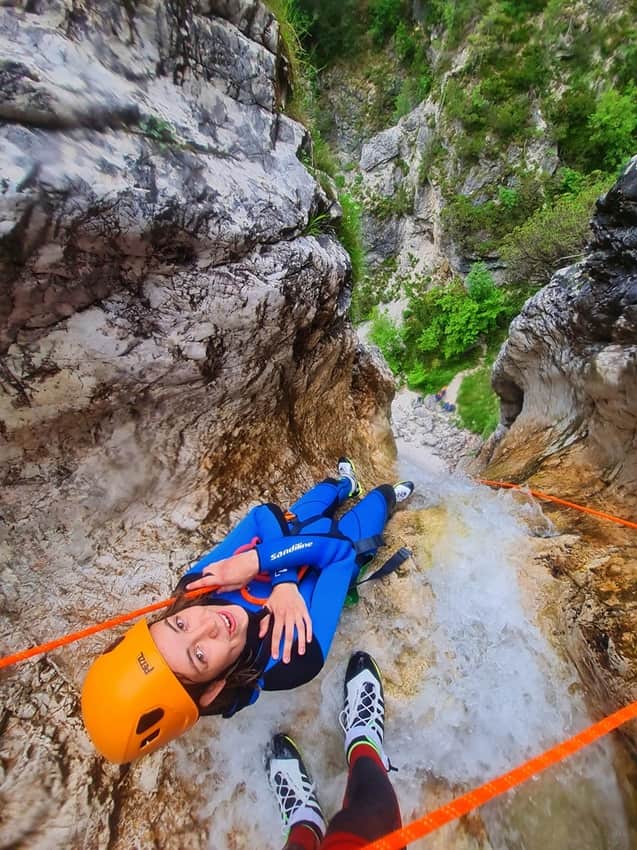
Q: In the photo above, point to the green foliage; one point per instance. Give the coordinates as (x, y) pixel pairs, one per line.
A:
(554, 236)
(376, 287)
(478, 406)
(613, 126)
(384, 79)
(335, 29)
(384, 207)
(429, 376)
(450, 319)
(571, 181)
(350, 234)
(480, 226)
(569, 116)
(509, 198)
(411, 48)
(385, 17)
(159, 130)
(444, 325)
(292, 24)
(317, 224)
(405, 43)
(413, 90)
(454, 16)
(386, 335)
(430, 157)
(323, 158)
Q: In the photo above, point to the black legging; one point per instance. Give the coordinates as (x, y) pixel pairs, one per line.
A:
(370, 808)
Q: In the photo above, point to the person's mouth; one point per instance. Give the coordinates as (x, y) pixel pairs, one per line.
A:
(229, 621)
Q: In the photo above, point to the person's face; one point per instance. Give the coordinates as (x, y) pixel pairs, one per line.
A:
(200, 642)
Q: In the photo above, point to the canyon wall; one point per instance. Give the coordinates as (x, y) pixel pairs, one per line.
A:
(173, 349)
(567, 380)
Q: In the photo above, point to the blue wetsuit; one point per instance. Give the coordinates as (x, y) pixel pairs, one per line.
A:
(333, 551)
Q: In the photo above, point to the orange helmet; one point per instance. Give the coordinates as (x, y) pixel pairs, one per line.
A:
(132, 702)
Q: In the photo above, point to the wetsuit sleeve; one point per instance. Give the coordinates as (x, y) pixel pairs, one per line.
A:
(325, 608)
(293, 551)
(263, 522)
(284, 574)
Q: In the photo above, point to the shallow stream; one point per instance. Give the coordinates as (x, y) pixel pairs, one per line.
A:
(473, 689)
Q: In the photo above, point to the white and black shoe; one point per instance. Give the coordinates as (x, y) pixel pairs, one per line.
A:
(403, 490)
(363, 714)
(292, 785)
(346, 469)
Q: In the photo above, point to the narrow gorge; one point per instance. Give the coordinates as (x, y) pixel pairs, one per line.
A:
(198, 250)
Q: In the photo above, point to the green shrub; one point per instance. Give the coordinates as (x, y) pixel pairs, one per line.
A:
(317, 224)
(386, 335)
(449, 320)
(480, 226)
(569, 117)
(334, 29)
(159, 130)
(430, 376)
(554, 236)
(613, 126)
(350, 234)
(384, 207)
(385, 17)
(510, 117)
(376, 287)
(323, 156)
(292, 22)
(454, 16)
(478, 406)
(430, 157)
(405, 43)
(509, 198)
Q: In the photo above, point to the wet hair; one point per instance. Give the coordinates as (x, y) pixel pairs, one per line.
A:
(241, 676)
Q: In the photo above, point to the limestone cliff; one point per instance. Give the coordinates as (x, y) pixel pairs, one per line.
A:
(567, 379)
(173, 348)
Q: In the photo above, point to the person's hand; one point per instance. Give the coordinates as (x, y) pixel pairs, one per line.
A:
(230, 574)
(288, 608)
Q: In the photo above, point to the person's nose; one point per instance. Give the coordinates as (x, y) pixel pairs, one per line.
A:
(208, 629)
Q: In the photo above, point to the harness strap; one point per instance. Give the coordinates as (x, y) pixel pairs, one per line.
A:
(368, 544)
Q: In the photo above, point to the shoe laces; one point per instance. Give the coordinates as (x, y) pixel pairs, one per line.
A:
(290, 797)
(366, 702)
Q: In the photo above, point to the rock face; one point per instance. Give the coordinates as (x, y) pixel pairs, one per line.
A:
(402, 221)
(569, 367)
(567, 379)
(172, 349)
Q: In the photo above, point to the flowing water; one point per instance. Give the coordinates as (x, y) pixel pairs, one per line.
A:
(473, 688)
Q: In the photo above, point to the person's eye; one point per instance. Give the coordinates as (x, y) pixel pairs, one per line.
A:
(180, 623)
(200, 655)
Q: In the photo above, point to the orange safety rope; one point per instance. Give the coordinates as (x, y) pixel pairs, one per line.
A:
(481, 795)
(540, 495)
(461, 805)
(123, 618)
(8, 660)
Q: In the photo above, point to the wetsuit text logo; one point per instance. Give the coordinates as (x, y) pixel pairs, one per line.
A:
(144, 664)
(276, 555)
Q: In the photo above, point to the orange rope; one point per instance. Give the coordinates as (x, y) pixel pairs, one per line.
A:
(481, 795)
(8, 660)
(539, 495)
(461, 805)
(123, 618)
